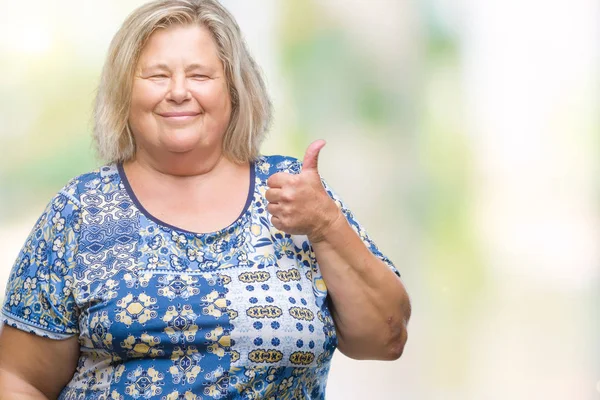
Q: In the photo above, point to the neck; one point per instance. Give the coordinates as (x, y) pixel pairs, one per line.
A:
(178, 165)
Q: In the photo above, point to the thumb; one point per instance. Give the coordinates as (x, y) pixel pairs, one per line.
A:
(311, 157)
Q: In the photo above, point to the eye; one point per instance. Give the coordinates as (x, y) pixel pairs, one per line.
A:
(199, 76)
(159, 76)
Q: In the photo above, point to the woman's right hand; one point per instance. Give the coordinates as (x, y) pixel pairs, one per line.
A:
(33, 367)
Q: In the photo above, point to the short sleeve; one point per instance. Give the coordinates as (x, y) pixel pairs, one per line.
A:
(39, 295)
(359, 229)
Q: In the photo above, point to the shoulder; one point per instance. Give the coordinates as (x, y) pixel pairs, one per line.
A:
(269, 165)
(104, 179)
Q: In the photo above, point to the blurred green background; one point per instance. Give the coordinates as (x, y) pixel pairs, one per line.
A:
(463, 135)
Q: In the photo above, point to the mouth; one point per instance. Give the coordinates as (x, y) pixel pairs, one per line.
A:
(179, 116)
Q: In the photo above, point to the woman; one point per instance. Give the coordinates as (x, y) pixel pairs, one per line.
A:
(190, 266)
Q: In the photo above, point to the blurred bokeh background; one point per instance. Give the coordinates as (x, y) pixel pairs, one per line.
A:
(464, 135)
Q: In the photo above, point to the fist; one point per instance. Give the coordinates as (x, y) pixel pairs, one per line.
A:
(299, 204)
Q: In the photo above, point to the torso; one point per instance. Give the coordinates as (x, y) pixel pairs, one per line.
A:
(240, 312)
(164, 313)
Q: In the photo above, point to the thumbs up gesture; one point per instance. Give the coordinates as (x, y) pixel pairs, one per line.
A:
(299, 204)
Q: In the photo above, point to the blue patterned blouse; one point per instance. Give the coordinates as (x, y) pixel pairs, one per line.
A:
(162, 313)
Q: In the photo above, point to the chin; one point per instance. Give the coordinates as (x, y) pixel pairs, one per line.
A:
(179, 147)
(181, 142)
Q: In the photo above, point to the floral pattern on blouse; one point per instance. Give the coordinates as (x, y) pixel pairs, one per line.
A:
(162, 313)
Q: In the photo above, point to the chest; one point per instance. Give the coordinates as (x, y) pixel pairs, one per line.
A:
(249, 293)
(205, 212)
(205, 205)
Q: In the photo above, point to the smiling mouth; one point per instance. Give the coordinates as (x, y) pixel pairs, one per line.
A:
(179, 114)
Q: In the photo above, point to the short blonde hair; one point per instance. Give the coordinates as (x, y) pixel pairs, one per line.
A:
(251, 106)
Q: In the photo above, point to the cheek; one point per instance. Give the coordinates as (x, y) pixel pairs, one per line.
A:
(214, 97)
(144, 99)
(145, 96)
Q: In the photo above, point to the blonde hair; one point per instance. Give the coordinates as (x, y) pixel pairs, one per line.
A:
(251, 106)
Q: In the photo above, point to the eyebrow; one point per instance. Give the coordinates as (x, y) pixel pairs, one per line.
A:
(158, 66)
(195, 66)
(164, 67)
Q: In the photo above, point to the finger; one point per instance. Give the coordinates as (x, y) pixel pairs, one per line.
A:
(311, 157)
(279, 179)
(274, 209)
(277, 223)
(273, 195)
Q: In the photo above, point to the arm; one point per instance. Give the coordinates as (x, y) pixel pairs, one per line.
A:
(32, 367)
(369, 303)
(39, 365)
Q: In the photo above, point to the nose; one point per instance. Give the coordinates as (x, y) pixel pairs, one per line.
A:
(178, 90)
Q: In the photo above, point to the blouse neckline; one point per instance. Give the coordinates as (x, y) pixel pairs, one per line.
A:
(147, 214)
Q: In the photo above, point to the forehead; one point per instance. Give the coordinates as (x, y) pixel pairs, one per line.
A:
(180, 43)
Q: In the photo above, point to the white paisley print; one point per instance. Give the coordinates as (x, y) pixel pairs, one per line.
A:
(162, 313)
